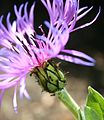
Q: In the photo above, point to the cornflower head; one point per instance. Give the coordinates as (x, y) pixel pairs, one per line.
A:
(24, 52)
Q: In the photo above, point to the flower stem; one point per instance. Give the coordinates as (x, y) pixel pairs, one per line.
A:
(69, 102)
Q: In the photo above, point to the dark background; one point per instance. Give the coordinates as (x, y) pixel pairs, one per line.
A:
(89, 40)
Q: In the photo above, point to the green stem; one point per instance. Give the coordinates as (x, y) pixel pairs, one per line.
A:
(69, 102)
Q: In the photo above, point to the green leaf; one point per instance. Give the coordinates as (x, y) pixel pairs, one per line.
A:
(91, 114)
(95, 103)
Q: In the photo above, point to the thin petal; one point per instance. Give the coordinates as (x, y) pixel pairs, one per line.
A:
(79, 54)
(15, 100)
(83, 14)
(75, 60)
(22, 86)
(31, 15)
(8, 22)
(27, 94)
(76, 57)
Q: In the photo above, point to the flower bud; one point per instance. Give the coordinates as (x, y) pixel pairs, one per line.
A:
(50, 78)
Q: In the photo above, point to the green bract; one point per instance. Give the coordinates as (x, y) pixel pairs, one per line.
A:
(50, 78)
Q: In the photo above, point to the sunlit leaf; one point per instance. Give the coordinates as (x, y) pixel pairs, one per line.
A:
(94, 105)
(91, 114)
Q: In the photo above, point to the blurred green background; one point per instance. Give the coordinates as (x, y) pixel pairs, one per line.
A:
(89, 40)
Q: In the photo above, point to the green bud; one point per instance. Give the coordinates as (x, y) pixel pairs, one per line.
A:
(50, 78)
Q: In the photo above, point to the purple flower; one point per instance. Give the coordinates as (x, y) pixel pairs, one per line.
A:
(22, 49)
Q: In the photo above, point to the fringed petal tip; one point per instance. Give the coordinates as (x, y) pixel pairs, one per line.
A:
(89, 23)
(25, 17)
(15, 110)
(31, 16)
(15, 105)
